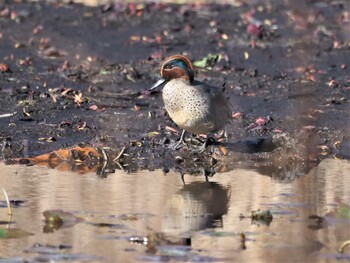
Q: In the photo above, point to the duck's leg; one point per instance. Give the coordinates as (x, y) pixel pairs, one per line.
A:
(202, 148)
(208, 141)
(180, 142)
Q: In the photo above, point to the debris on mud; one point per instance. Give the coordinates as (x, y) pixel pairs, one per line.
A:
(74, 84)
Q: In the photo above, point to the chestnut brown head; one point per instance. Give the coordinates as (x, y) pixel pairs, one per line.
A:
(177, 66)
(173, 67)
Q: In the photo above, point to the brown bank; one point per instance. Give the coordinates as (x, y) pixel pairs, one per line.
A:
(74, 75)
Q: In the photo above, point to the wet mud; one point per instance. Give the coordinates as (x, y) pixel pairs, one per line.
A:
(77, 78)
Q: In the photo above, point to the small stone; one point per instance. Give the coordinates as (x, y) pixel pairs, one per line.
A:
(166, 140)
(178, 159)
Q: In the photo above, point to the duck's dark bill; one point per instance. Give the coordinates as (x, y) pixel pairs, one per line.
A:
(157, 84)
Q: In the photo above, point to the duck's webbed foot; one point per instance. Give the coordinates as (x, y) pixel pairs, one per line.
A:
(200, 149)
(180, 142)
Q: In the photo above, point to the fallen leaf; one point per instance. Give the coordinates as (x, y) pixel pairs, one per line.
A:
(152, 134)
(253, 29)
(78, 98)
(208, 61)
(333, 83)
(47, 139)
(96, 108)
(236, 115)
(36, 30)
(171, 129)
(25, 62)
(4, 67)
(81, 126)
(260, 121)
(277, 131)
(223, 150)
(53, 52)
(156, 55)
(246, 55)
(4, 12)
(135, 38)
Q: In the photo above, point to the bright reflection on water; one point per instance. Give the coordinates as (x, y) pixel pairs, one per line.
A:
(209, 212)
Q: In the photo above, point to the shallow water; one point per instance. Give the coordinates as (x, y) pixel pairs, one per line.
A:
(206, 213)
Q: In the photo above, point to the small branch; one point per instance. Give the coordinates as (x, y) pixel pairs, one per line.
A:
(343, 245)
(119, 155)
(9, 208)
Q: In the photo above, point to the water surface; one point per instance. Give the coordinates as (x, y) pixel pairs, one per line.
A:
(203, 214)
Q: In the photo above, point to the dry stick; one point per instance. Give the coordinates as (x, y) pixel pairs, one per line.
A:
(116, 159)
(343, 245)
(105, 159)
(9, 208)
(119, 155)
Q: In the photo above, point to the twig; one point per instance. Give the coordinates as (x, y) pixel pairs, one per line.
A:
(6, 115)
(9, 208)
(120, 166)
(105, 155)
(343, 245)
(119, 155)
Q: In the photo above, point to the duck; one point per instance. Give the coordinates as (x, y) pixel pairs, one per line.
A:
(196, 107)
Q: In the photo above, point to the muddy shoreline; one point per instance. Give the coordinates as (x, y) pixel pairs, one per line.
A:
(72, 74)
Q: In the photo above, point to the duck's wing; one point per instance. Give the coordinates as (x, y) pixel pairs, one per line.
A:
(222, 104)
(214, 91)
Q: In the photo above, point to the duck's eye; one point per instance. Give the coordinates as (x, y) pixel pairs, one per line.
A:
(168, 66)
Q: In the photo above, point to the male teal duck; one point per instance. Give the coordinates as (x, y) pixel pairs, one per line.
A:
(194, 106)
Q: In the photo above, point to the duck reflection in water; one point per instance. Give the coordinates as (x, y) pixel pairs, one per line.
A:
(197, 206)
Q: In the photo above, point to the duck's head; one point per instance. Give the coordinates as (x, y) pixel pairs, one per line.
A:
(174, 67)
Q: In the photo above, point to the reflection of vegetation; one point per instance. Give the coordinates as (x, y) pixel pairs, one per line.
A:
(7, 202)
(55, 219)
(343, 245)
(155, 239)
(259, 217)
(264, 217)
(104, 72)
(317, 222)
(344, 212)
(6, 233)
(243, 239)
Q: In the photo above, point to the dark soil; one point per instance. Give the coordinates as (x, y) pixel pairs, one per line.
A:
(71, 74)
